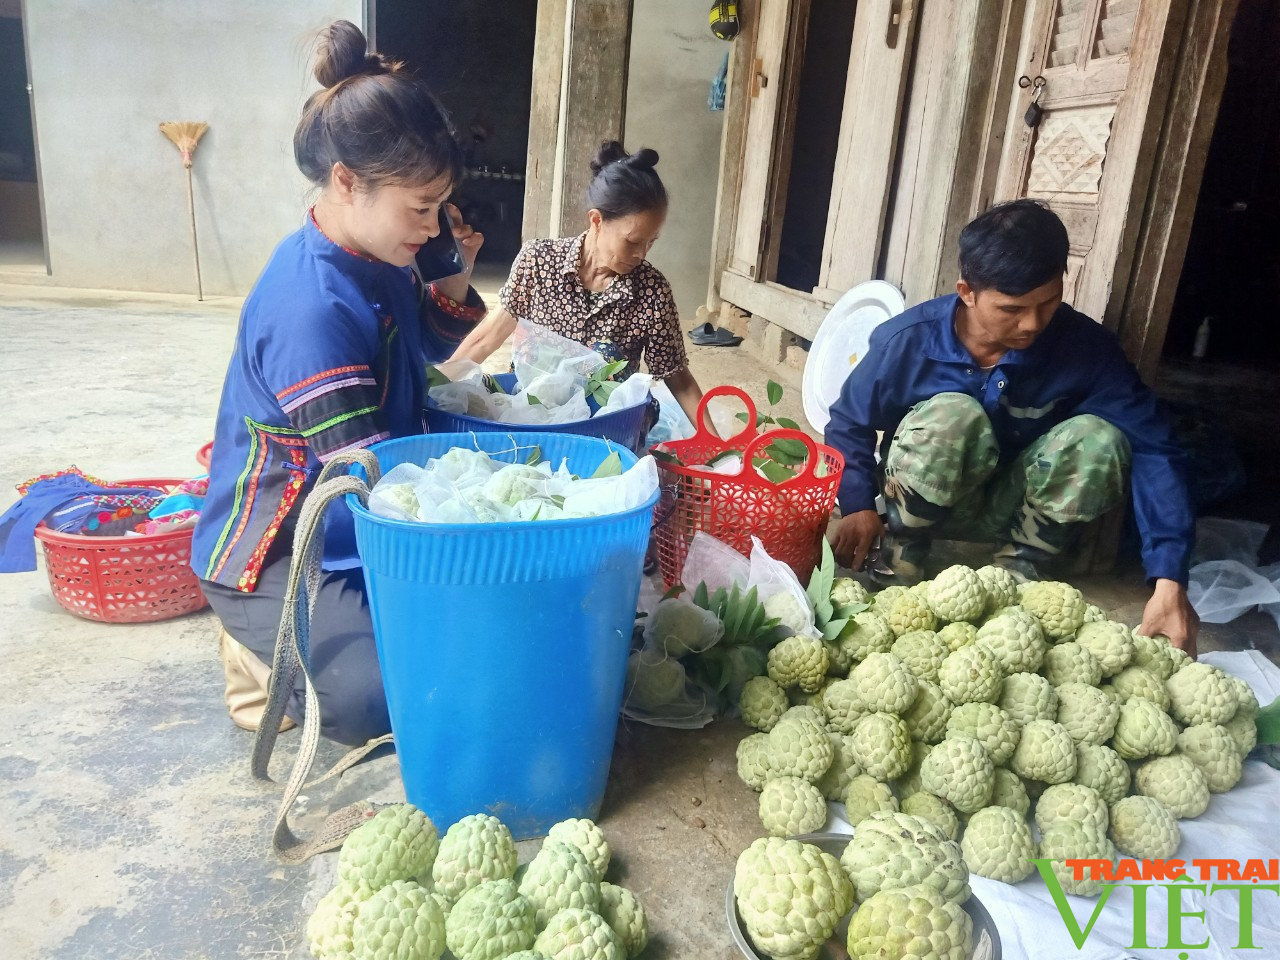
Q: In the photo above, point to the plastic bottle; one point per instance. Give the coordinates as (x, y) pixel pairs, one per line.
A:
(1202, 340)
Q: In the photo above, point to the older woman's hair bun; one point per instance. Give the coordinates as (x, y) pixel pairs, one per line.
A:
(625, 183)
(342, 52)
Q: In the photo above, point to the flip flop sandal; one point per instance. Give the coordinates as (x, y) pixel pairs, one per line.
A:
(706, 335)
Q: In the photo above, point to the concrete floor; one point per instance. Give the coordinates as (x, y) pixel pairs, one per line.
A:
(135, 830)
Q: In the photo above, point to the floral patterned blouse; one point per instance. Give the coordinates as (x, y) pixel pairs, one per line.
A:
(634, 317)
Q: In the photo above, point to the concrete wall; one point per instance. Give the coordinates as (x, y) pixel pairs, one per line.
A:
(105, 74)
(674, 58)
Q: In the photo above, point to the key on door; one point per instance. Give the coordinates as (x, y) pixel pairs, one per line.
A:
(1035, 112)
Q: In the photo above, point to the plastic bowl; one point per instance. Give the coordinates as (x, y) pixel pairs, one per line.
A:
(986, 940)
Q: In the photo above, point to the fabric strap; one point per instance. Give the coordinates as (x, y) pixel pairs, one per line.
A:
(293, 653)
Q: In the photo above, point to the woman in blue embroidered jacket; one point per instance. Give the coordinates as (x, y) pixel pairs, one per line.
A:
(330, 356)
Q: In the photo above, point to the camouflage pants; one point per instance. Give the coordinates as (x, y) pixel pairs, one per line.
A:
(943, 476)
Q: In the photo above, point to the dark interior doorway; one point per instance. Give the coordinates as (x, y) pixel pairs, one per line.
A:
(1221, 356)
(478, 59)
(21, 233)
(819, 104)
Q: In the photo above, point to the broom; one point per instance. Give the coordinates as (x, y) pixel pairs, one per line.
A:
(185, 135)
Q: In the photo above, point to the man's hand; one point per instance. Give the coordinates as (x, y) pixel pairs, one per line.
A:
(1169, 612)
(855, 535)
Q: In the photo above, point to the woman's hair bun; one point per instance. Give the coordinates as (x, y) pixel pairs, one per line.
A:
(643, 159)
(611, 151)
(343, 52)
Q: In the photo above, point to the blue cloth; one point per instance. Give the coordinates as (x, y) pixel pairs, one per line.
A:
(719, 87)
(69, 496)
(330, 355)
(1075, 367)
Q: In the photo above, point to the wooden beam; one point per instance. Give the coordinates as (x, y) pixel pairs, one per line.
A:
(544, 118)
(790, 309)
(1196, 93)
(733, 141)
(595, 97)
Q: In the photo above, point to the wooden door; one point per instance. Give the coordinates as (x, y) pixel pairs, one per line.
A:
(1106, 66)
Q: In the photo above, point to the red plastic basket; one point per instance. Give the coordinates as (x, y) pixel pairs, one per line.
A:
(204, 454)
(788, 517)
(123, 579)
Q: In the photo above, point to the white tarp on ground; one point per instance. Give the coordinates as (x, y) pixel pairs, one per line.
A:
(1240, 825)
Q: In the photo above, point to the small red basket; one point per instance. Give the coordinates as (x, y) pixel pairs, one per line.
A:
(788, 517)
(123, 579)
(204, 455)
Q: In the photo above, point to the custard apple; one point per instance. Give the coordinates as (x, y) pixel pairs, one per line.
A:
(885, 684)
(1094, 613)
(1244, 730)
(960, 771)
(970, 675)
(1070, 662)
(653, 680)
(865, 634)
(1111, 644)
(866, 795)
(910, 923)
(1156, 654)
(1199, 693)
(559, 877)
(790, 806)
(843, 767)
(587, 837)
(807, 710)
(1212, 748)
(790, 896)
(622, 910)
(762, 703)
(799, 747)
(891, 850)
(1028, 696)
(1046, 752)
(957, 593)
(1144, 828)
(475, 849)
(330, 927)
(400, 921)
(1058, 606)
(1008, 790)
(1017, 644)
(1135, 681)
(847, 592)
(989, 725)
(677, 628)
(1000, 585)
(576, 933)
(526, 955)
(799, 698)
(839, 660)
(798, 662)
(753, 760)
(1071, 801)
(398, 843)
(882, 600)
(842, 705)
(1246, 699)
(923, 652)
(926, 719)
(793, 615)
(1176, 782)
(1101, 768)
(1088, 714)
(1143, 730)
(909, 611)
(934, 809)
(881, 743)
(958, 634)
(490, 921)
(1065, 840)
(997, 844)
(909, 782)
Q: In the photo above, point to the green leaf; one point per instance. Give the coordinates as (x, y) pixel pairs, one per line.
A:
(788, 423)
(673, 591)
(533, 401)
(849, 611)
(819, 590)
(700, 596)
(611, 369)
(556, 500)
(663, 456)
(435, 378)
(831, 632)
(611, 467)
(774, 391)
(773, 471)
(763, 418)
(791, 447)
(1268, 722)
(491, 383)
(534, 458)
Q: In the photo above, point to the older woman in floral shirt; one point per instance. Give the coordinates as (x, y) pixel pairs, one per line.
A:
(597, 288)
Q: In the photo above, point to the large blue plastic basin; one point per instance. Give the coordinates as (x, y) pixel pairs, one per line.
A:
(504, 646)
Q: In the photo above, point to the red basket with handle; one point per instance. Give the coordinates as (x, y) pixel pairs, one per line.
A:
(123, 579)
(204, 455)
(789, 517)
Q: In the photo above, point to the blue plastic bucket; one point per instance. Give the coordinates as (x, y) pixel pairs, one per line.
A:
(504, 646)
(625, 426)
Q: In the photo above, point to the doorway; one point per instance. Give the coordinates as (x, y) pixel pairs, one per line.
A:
(21, 230)
(1221, 356)
(478, 60)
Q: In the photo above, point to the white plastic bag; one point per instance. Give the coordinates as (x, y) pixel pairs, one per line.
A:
(538, 351)
(1218, 538)
(603, 495)
(1222, 590)
(631, 392)
(714, 563)
(780, 591)
(395, 496)
(659, 693)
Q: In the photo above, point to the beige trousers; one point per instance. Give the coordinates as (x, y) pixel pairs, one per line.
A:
(248, 679)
